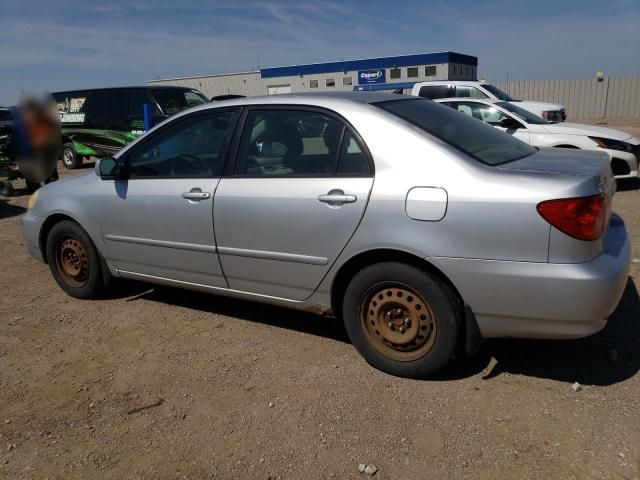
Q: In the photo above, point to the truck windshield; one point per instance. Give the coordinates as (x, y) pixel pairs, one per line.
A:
(480, 141)
(499, 94)
(172, 101)
(522, 113)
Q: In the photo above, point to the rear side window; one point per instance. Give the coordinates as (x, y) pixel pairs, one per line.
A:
(288, 142)
(435, 91)
(477, 139)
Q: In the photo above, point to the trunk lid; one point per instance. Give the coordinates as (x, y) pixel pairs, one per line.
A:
(568, 174)
(580, 167)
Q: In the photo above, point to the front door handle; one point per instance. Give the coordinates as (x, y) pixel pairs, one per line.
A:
(196, 194)
(337, 197)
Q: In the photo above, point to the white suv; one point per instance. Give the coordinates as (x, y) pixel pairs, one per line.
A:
(470, 89)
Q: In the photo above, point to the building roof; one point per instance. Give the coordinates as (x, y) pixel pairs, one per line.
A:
(370, 64)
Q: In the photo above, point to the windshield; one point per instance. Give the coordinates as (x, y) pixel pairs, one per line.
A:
(477, 139)
(172, 101)
(499, 94)
(522, 113)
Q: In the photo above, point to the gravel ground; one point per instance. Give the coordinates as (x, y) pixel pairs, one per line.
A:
(241, 390)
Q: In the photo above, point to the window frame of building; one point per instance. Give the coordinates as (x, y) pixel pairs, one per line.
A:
(333, 82)
(395, 73)
(430, 68)
(413, 72)
(347, 81)
(314, 84)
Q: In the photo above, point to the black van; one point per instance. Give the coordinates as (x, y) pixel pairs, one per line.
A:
(99, 122)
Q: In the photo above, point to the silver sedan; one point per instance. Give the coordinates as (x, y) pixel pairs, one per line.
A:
(423, 229)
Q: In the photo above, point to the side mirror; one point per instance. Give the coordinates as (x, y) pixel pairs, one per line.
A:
(110, 168)
(510, 123)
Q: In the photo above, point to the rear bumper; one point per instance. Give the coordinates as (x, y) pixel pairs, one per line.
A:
(31, 226)
(543, 300)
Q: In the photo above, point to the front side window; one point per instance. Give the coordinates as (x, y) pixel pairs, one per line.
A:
(523, 114)
(172, 101)
(188, 148)
(480, 111)
(394, 73)
(466, 91)
(313, 83)
(412, 72)
(499, 94)
(288, 142)
(331, 82)
(480, 141)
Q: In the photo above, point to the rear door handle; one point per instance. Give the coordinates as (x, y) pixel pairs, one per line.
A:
(196, 194)
(337, 197)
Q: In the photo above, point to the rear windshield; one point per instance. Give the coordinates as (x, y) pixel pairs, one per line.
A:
(173, 101)
(475, 138)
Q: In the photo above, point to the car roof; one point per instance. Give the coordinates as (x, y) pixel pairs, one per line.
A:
(451, 82)
(140, 87)
(469, 99)
(314, 99)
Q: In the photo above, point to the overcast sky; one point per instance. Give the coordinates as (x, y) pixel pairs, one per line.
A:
(64, 44)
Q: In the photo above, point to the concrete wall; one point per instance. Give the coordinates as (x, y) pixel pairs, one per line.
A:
(615, 98)
(251, 83)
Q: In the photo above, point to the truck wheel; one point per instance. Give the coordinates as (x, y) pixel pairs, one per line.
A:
(70, 158)
(74, 261)
(402, 320)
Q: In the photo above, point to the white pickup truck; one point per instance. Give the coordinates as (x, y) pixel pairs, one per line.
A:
(481, 90)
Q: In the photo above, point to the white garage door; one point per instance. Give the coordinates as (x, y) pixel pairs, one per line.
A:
(276, 89)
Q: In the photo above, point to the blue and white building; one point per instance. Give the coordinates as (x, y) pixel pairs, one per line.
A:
(383, 73)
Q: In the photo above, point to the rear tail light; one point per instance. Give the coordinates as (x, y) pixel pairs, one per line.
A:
(583, 218)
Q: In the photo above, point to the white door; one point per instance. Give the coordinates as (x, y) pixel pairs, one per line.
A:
(276, 89)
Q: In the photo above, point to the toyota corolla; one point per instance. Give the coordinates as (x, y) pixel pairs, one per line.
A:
(423, 229)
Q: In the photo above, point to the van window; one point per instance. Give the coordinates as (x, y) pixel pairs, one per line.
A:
(436, 91)
(95, 108)
(172, 101)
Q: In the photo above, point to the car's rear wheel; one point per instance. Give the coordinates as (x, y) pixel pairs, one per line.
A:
(70, 158)
(402, 319)
(74, 261)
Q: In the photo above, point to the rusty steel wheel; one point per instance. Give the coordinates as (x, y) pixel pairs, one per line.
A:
(72, 262)
(398, 322)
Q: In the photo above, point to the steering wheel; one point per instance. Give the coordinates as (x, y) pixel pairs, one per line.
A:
(189, 164)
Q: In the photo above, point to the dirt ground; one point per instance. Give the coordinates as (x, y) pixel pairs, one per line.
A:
(247, 391)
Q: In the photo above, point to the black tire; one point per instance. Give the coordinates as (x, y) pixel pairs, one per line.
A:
(433, 310)
(70, 158)
(31, 186)
(69, 250)
(6, 189)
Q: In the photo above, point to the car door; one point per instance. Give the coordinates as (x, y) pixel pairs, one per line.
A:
(291, 201)
(158, 221)
(493, 116)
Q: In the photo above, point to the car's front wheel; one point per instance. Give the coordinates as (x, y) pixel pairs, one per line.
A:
(74, 261)
(403, 320)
